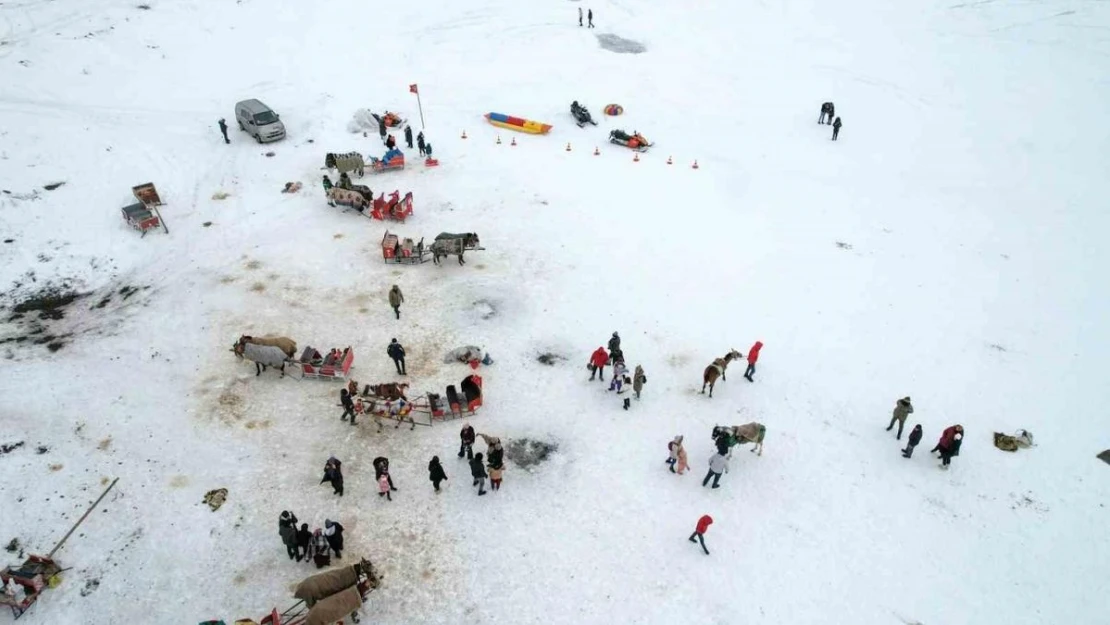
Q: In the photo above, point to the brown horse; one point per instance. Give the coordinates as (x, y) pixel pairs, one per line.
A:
(389, 391)
(717, 369)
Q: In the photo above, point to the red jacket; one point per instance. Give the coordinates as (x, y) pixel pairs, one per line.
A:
(704, 523)
(753, 353)
(949, 435)
(600, 358)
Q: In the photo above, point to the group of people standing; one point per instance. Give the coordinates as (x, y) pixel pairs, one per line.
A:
(315, 546)
(625, 387)
(947, 446)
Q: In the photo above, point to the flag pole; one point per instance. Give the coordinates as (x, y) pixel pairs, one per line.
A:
(416, 89)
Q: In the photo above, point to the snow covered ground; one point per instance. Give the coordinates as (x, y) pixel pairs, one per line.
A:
(949, 246)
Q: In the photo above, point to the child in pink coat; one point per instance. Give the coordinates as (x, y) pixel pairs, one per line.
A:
(383, 486)
(682, 463)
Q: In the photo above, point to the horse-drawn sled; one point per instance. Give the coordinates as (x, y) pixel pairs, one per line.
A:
(279, 351)
(634, 141)
(361, 198)
(396, 208)
(403, 251)
(581, 114)
(144, 214)
(388, 401)
(451, 244)
(393, 160)
(346, 162)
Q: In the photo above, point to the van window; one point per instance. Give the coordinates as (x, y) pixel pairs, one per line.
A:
(266, 117)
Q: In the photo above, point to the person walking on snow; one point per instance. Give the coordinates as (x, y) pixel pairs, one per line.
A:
(223, 128)
(753, 357)
(614, 343)
(718, 464)
(383, 487)
(827, 111)
(579, 17)
(321, 551)
(333, 472)
(287, 529)
(348, 405)
(836, 128)
(683, 464)
(408, 136)
(396, 298)
(915, 438)
(638, 380)
(495, 474)
(436, 473)
(597, 363)
(420, 142)
(902, 409)
(949, 444)
(478, 472)
(381, 128)
(467, 445)
(381, 467)
(590, 17)
(625, 389)
(304, 543)
(618, 375)
(672, 452)
(334, 533)
(699, 532)
(397, 353)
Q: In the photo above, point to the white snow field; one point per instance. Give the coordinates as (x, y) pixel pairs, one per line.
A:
(950, 246)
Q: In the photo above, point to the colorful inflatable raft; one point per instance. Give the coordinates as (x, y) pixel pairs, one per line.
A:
(518, 124)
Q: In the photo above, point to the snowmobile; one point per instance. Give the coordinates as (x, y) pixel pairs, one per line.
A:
(581, 115)
(635, 141)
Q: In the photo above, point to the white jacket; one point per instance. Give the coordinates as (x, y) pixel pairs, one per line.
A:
(718, 464)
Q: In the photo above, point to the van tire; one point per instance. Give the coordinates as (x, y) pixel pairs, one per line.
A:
(258, 137)
(241, 128)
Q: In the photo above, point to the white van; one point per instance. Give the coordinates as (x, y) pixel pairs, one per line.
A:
(259, 121)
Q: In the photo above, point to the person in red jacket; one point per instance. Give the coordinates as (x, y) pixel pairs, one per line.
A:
(699, 532)
(597, 363)
(949, 444)
(753, 357)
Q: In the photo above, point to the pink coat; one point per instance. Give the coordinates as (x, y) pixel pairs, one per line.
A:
(383, 483)
(682, 464)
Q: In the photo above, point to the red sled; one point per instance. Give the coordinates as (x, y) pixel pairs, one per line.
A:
(394, 209)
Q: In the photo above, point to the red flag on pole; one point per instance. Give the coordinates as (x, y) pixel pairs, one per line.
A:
(412, 89)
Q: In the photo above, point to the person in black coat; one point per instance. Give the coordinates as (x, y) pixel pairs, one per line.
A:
(304, 539)
(223, 130)
(334, 533)
(915, 438)
(478, 472)
(614, 343)
(590, 18)
(333, 472)
(391, 142)
(420, 142)
(836, 128)
(287, 529)
(397, 353)
(381, 467)
(381, 127)
(408, 136)
(495, 456)
(428, 150)
(348, 405)
(436, 473)
(827, 111)
(467, 445)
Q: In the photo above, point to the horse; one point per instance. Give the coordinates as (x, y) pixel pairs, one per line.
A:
(351, 161)
(326, 584)
(389, 391)
(447, 244)
(717, 369)
(348, 197)
(266, 351)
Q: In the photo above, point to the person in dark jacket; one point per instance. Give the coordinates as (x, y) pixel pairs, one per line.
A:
(304, 541)
(478, 472)
(467, 445)
(902, 409)
(699, 532)
(334, 533)
(408, 136)
(428, 149)
(223, 130)
(333, 472)
(420, 142)
(949, 444)
(495, 455)
(827, 112)
(381, 467)
(381, 128)
(391, 142)
(614, 343)
(836, 128)
(436, 473)
(287, 529)
(397, 353)
(915, 438)
(590, 18)
(348, 405)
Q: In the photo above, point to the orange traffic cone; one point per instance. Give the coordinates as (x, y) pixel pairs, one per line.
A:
(636, 158)
(498, 139)
(669, 161)
(695, 166)
(464, 134)
(513, 143)
(596, 151)
(568, 147)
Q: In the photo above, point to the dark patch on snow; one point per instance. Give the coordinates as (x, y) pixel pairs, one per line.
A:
(206, 224)
(997, 347)
(1105, 456)
(143, 7)
(9, 240)
(550, 359)
(90, 586)
(41, 449)
(49, 302)
(269, 154)
(485, 309)
(844, 246)
(526, 452)
(12, 546)
(620, 45)
(53, 185)
(9, 447)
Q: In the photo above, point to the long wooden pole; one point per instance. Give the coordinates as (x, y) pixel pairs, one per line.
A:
(421, 107)
(79, 521)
